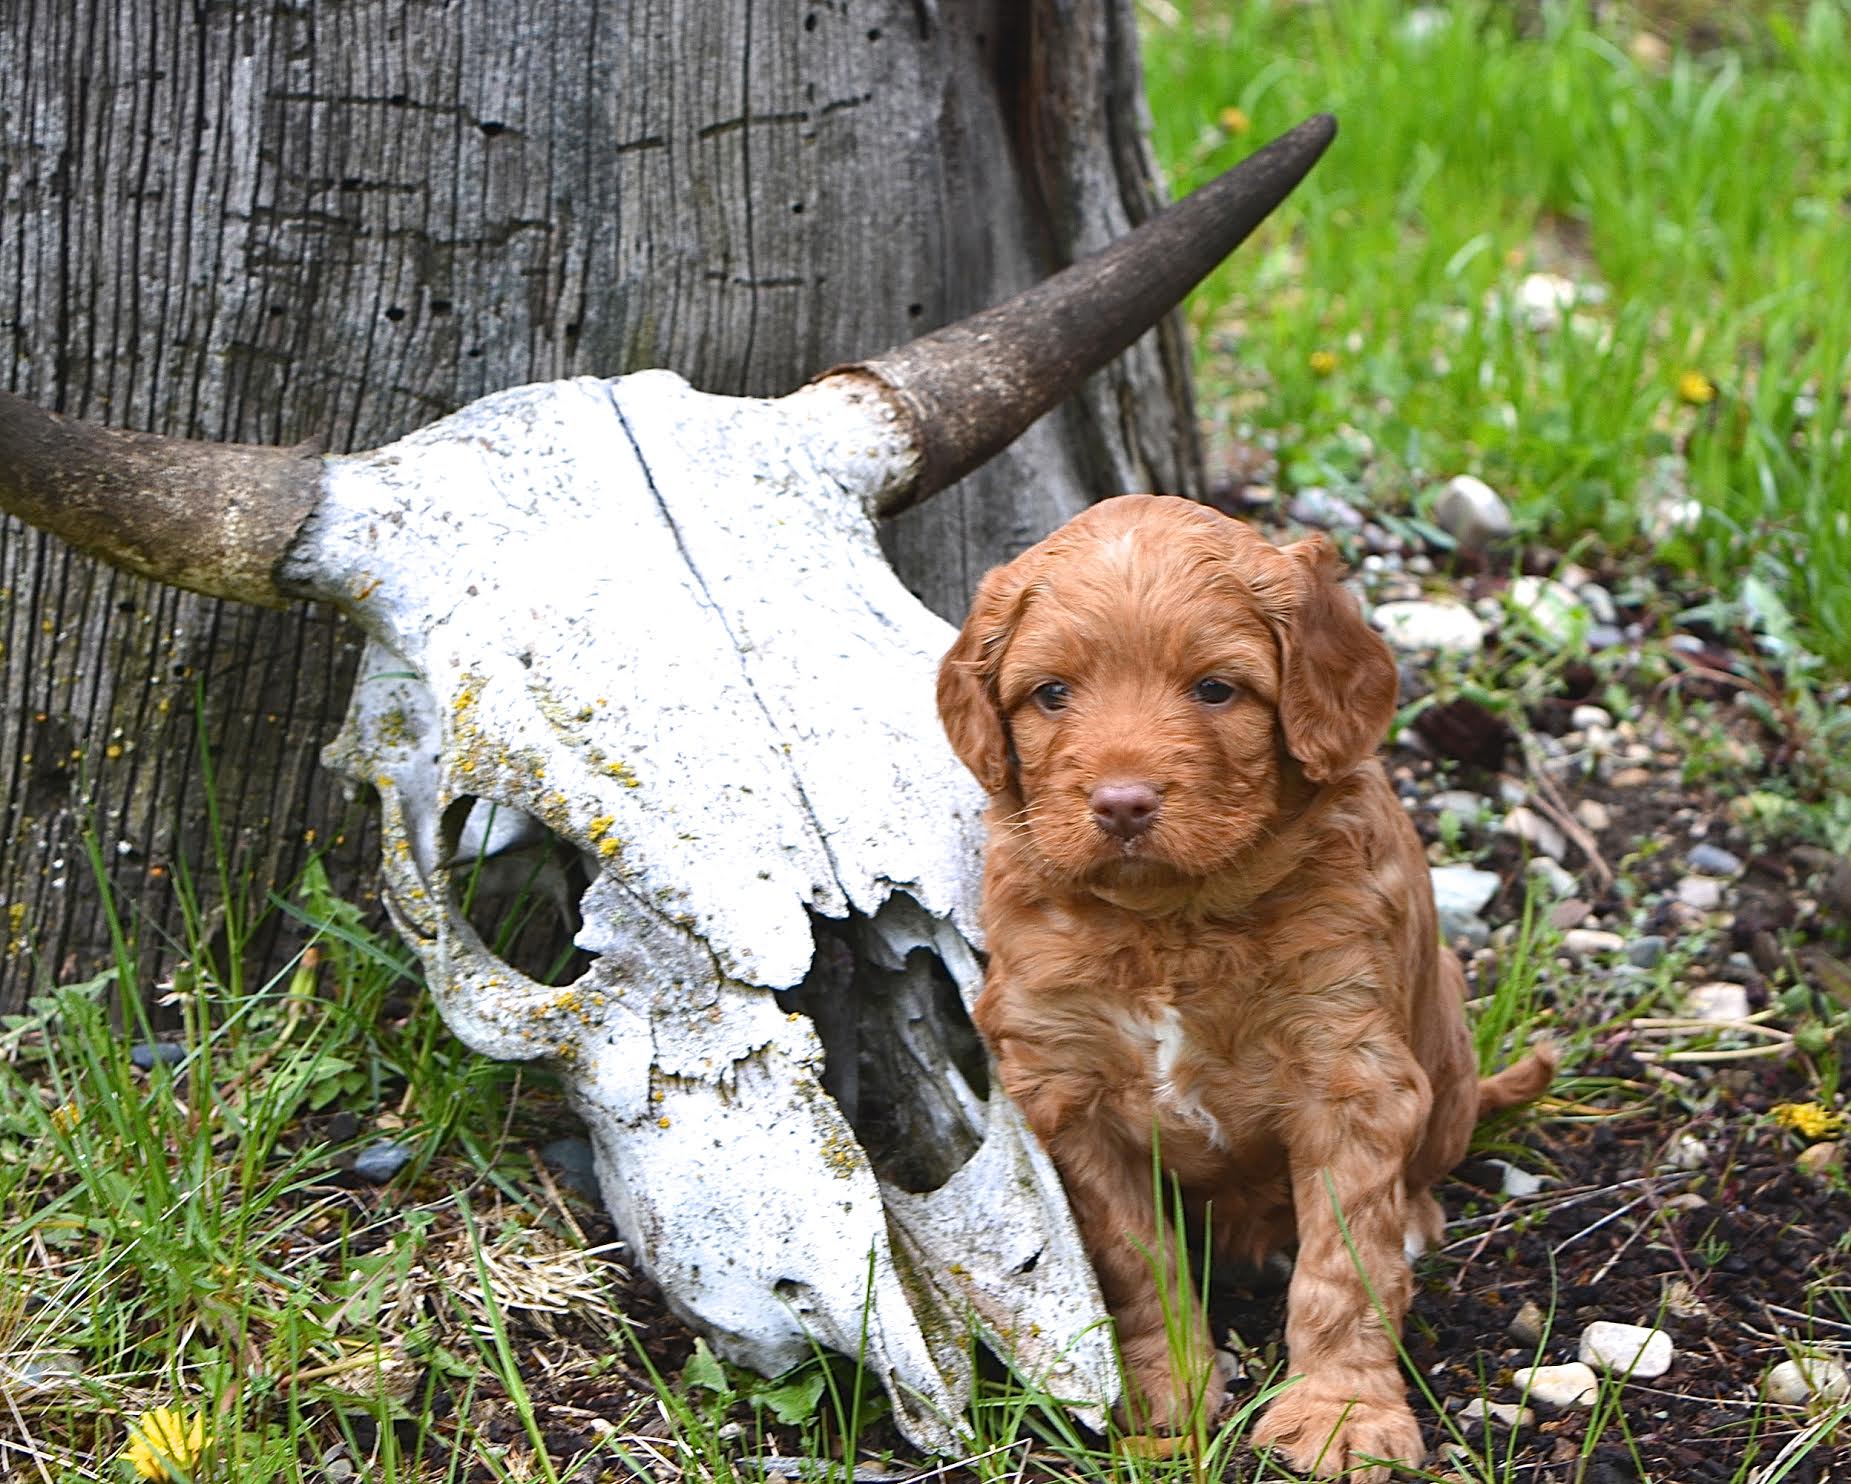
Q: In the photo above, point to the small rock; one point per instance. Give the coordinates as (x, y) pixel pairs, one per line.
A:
(1717, 1001)
(1820, 1159)
(1584, 716)
(1604, 636)
(1712, 860)
(1794, 1383)
(1572, 1385)
(1687, 1200)
(1559, 880)
(1591, 942)
(1460, 801)
(1645, 952)
(1543, 298)
(1463, 888)
(1471, 512)
(1627, 1349)
(1687, 1152)
(1599, 603)
(1556, 612)
(1316, 506)
(1423, 626)
(1564, 916)
(1531, 828)
(1631, 778)
(378, 1163)
(145, 1054)
(1594, 814)
(1701, 892)
(1503, 1414)
(1526, 1325)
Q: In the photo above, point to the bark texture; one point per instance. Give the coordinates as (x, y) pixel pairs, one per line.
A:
(329, 224)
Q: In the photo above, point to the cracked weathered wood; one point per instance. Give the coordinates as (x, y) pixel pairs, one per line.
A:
(287, 223)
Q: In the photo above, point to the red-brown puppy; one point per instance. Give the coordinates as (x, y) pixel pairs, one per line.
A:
(1209, 917)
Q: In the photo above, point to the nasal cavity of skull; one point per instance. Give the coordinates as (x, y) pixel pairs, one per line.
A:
(517, 884)
(901, 1058)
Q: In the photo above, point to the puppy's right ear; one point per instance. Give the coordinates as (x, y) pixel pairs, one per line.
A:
(968, 704)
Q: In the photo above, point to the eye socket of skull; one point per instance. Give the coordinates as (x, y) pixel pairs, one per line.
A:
(903, 1061)
(518, 884)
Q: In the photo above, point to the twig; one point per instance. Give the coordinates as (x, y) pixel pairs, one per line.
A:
(1548, 798)
(1592, 1227)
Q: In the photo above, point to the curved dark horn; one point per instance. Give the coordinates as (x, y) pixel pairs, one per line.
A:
(973, 387)
(213, 517)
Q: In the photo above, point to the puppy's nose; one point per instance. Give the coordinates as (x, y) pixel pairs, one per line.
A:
(1125, 808)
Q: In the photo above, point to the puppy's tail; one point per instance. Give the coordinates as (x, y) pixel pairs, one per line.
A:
(1521, 1081)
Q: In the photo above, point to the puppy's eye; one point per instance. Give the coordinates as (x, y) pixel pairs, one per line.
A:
(1051, 697)
(1213, 692)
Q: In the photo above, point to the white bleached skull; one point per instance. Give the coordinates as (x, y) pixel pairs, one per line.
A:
(656, 622)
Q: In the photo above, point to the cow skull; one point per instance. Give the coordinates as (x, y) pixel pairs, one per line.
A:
(656, 624)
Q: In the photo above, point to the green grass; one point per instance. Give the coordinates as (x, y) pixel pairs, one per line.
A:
(1702, 198)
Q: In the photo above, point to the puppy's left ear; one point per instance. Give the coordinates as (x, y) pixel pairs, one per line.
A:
(1337, 696)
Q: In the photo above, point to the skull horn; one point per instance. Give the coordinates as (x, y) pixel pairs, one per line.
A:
(970, 389)
(213, 517)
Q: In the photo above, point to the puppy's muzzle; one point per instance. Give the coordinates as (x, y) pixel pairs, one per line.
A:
(1125, 808)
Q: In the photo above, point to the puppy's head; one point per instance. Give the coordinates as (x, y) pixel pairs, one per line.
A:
(1142, 685)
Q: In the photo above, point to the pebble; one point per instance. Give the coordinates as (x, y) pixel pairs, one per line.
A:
(1471, 512)
(1316, 506)
(1717, 1001)
(1531, 828)
(1526, 1325)
(1631, 778)
(1424, 626)
(1687, 1152)
(1591, 942)
(1461, 801)
(1583, 717)
(1629, 1350)
(1702, 892)
(1572, 1385)
(1793, 1383)
(1555, 611)
(1594, 814)
(1605, 636)
(1506, 1416)
(1569, 914)
(1820, 1159)
(1713, 860)
(1543, 298)
(145, 1054)
(1463, 889)
(379, 1162)
(1646, 951)
(1599, 603)
(1556, 877)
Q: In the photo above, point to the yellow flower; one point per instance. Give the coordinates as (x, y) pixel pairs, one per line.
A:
(1235, 120)
(164, 1445)
(1323, 362)
(1696, 388)
(1811, 1119)
(66, 1116)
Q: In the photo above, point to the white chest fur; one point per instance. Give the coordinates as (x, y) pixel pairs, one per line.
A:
(1169, 1055)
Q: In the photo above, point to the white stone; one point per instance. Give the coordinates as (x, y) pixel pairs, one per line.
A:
(1630, 1350)
(1422, 626)
(1717, 1001)
(1512, 1418)
(1460, 801)
(1543, 298)
(1572, 1385)
(1535, 831)
(1687, 1152)
(1701, 892)
(1471, 512)
(1593, 814)
(1557, 878)
(1796, 1382)
(1557, 614)
(1591, 942)
(1583, 717)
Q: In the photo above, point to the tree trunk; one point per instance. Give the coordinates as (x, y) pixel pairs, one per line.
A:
(289, 222)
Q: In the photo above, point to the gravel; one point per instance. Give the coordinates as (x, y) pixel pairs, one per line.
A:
(1629, 1350)
(1572, 1385)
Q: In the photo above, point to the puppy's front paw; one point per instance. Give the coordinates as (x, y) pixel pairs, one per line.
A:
(1324, 1433)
